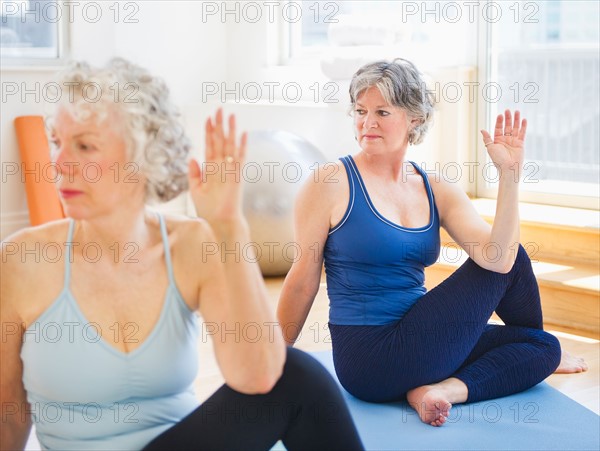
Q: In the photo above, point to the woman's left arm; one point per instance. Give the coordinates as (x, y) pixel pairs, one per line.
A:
(491, 247)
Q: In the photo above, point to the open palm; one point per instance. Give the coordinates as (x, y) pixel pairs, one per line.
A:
(507, 149)
(216, 189)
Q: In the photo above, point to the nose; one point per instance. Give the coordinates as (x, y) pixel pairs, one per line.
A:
(63, 160)
(369, 121)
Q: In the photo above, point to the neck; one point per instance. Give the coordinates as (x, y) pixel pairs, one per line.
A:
(392, 166)
(121, 228)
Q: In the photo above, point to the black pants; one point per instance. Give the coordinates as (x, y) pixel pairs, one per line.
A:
(446, 334)
(305, 410)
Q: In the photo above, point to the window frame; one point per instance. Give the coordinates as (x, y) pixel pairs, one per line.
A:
(482, 188)
(479, 187)
(62, 47)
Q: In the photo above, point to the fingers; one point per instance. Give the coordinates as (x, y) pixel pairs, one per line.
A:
(516, 124)
(487, 139)
(238, 153)
(523, 130)
(508, 127)
(218, 136)
(243, 146)
(208, 140)
(519, 127)
(230, 143)
(221, 145)
(508, 123)
(499, 129)
(194, 173)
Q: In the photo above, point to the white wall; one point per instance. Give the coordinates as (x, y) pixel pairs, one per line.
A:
(193, 52)
(13, 205)
(168, 39)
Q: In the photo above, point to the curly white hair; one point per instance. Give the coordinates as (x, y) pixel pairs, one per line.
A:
(156, 141)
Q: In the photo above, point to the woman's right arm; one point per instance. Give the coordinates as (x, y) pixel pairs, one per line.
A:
(16, 420)
(312, 217)
(232, 293)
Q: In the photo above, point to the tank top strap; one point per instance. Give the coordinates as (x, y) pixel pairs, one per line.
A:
(422, 173)
(357, 180)
(165, 239)
(351, 185)
(69, 254)
(428, 188)
(347, 160)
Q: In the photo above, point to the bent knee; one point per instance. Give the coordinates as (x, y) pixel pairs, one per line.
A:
(301, 369)
(552, 350)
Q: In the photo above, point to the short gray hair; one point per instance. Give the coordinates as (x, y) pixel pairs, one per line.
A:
(155, 138)
(403, 86)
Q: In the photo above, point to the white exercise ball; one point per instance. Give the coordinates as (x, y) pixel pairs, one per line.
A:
(277, 165)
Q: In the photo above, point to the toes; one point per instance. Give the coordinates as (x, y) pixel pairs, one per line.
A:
(438, 422)
(446, 411)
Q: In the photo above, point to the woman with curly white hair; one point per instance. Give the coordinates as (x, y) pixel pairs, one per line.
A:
(106, 348)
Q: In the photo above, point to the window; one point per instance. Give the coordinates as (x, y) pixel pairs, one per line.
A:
(423, 30)
(32, 30)
(545, 58)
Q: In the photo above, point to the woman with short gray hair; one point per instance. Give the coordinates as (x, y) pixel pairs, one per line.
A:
(402, 86)
(378, 228)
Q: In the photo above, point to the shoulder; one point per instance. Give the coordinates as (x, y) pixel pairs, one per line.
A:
(323, 199)
(32, 254)
(326, 182)
(43, 232)
(29, 245)
(452, 202)
(187, 233)
(192, 241)
(442, 187)
(332, 172)
(184, 224)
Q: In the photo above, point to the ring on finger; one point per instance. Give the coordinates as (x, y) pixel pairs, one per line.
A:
(508, 134)
(228, 159)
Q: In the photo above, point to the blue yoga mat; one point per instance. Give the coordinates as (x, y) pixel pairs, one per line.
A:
(540, 418)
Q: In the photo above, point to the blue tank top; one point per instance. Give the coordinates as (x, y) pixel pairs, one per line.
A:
(375, 268)
(86, 394)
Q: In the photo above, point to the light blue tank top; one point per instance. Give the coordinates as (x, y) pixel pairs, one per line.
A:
(86, 394)
(376, 269)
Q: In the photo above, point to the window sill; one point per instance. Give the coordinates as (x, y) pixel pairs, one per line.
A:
(563, 217)
(33, 68)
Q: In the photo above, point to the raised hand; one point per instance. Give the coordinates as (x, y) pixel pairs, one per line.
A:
(507, 149)
(216, 189)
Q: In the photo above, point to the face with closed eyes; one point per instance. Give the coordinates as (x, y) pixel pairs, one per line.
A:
(95, 177)
(380, 127)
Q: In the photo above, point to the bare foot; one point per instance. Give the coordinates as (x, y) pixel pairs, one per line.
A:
(571, 364)
(430, 404)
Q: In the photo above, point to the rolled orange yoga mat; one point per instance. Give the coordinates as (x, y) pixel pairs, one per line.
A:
(37, 170)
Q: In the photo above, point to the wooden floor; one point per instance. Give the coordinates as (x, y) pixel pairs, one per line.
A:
(582, 387)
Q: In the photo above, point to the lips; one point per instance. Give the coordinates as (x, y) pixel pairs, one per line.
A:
(69, 193)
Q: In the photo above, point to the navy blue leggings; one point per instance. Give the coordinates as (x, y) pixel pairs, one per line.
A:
(305, 410)
(445, 334)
